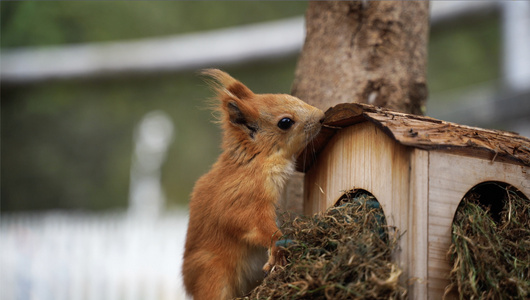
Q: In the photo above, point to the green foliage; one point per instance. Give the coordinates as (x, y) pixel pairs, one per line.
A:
(39, 23)
(464, 53)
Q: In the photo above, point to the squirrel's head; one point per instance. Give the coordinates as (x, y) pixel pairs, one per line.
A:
(262, 124)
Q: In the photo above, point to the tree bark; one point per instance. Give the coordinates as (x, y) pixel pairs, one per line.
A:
(371, 52)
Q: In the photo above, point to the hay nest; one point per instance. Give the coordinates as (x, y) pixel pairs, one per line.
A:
(491, 250)
(343, 253)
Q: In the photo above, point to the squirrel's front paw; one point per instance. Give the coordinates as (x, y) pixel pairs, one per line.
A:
(277, 257)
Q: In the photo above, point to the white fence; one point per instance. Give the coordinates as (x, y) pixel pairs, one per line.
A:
(65, 256)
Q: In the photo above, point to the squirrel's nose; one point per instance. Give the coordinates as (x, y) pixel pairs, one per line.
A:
(322, 120)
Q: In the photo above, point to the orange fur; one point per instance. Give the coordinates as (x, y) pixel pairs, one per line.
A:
(233, 207)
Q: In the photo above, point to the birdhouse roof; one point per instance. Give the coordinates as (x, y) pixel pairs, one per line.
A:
(424, 133)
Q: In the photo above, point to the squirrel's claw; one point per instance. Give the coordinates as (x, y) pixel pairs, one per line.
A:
(278, 257)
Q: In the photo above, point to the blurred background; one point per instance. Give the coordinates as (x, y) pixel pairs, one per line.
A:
(104, 128)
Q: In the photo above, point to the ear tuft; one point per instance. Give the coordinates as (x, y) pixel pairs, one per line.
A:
(226, 85)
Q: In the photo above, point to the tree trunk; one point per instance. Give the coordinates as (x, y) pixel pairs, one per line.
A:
(371, 52)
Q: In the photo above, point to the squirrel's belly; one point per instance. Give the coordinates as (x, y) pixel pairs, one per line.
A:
(251, 269)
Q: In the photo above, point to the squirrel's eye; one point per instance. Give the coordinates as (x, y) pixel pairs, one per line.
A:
(285, 123)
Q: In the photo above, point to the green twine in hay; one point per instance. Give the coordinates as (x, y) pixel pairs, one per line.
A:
(491, 257)
(343, 253)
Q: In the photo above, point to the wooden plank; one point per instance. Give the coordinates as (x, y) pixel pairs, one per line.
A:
(362, 156)
(450, 178)
(418, 221)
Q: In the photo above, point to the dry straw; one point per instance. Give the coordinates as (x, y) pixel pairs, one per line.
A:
(343, 253)
(491, 250)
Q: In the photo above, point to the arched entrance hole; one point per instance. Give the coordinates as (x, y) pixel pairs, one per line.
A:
(493, 196)
(490, 249)
(369, 210)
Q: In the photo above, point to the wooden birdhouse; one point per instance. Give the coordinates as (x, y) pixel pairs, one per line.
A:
(419, 169)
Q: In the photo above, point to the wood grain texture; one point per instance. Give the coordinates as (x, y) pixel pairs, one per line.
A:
(364, 157)
(450, 178)
(418, 223)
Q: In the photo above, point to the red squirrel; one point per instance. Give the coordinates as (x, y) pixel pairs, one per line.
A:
(232, 220)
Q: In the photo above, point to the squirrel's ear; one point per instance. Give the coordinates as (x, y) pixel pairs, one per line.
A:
(226, 85)
(239, 90)
(233, 96)
(241, 118)
(235, 114)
